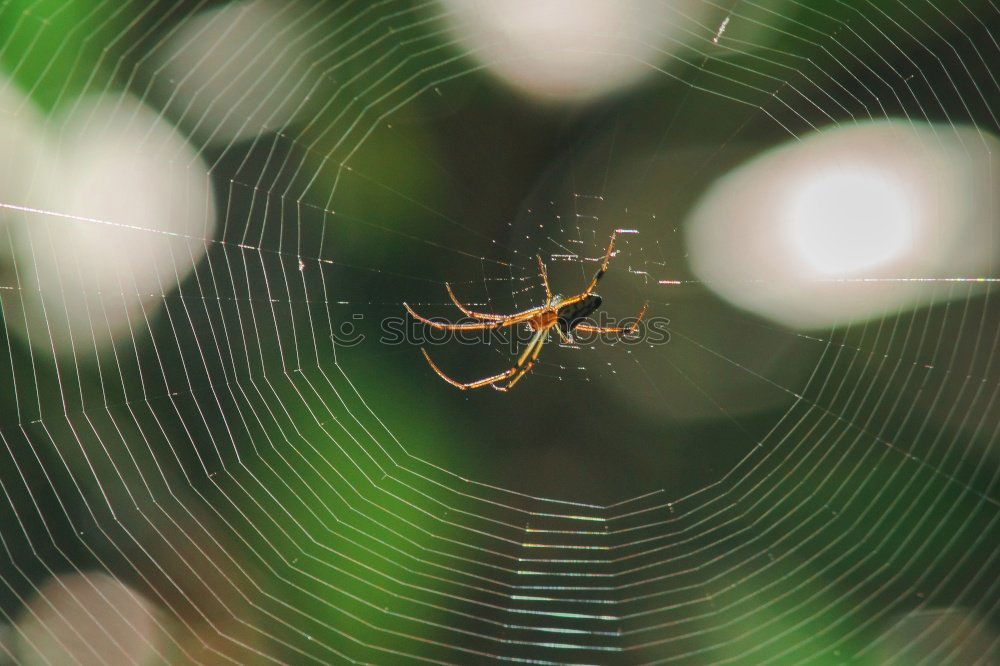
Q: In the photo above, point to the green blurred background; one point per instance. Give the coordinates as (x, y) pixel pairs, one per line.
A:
(788, 496)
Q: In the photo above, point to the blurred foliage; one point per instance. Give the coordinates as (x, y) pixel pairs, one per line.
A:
(59, 49)
(426, 170)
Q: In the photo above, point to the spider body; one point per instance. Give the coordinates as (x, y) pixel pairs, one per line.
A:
(564, 314)
(574, 314)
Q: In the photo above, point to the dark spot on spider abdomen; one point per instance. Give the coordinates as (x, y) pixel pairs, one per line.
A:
(570, 316)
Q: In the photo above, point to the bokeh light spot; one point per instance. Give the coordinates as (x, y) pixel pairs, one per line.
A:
(849, 220)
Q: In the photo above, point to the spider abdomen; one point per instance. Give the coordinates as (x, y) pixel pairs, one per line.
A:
(570, 316)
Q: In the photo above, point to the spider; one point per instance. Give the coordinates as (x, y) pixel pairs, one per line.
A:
(564, 314)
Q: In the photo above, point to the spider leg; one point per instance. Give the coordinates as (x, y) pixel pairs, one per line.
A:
(545, 278)
(615, 329)
(521, 368)
(471, 313)
(604, 266)
(536, 341)
(479, 383)
(527, 360)
(500, 323)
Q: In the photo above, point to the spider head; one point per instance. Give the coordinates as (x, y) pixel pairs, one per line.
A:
(574, 313)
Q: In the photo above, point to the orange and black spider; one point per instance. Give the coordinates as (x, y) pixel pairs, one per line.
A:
(565, 315)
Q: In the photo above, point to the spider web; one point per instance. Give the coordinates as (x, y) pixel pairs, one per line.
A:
(228, 480)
